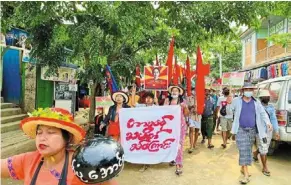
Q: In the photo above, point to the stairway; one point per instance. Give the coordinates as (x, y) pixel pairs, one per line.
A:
(13, 140)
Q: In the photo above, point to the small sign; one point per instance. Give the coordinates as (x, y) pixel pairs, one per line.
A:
(233, 79)
(73, 87)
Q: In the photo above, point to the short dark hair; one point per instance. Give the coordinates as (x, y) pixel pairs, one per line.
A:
(149, 94)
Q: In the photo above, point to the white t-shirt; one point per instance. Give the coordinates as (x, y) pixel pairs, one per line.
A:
(229, 111)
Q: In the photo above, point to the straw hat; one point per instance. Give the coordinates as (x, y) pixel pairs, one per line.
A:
(125, 96)
(176, 86)
(54, 117)
(207, 87)
(248, 85)
(264, 93)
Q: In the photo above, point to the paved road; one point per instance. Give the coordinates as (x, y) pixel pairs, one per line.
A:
(205, 167)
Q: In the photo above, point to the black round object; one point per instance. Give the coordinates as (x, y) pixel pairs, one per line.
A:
(97, 160)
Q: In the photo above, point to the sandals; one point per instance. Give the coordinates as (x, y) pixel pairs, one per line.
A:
(144, 168)
(266, 173)
(244, 181)
(243, 173)
(223, 146)
(256, 159)
(178, 172)
(172, 163)
(203, 141)
(191, 150)
(210, 146)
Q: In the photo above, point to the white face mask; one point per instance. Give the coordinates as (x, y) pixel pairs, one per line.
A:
(174, 96)
(248, 94)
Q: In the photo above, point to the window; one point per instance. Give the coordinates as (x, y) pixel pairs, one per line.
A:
(274, 90)
(289, 92)
(277, 29)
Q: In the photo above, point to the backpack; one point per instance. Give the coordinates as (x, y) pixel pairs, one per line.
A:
(223, 108)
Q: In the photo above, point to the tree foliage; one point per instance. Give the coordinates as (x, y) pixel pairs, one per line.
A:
(124, 34)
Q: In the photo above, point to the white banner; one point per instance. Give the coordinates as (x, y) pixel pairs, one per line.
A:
(150, 135)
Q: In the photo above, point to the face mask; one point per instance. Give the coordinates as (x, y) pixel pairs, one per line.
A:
(248, 94)
(265, 100)
(175, 96)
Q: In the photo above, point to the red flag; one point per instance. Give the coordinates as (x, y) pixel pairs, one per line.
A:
(137, 76)
(176, 73)
(170, 60)
(157, 60)
(188, 76)
(202, 71)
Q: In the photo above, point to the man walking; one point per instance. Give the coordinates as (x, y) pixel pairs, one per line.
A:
(207, 118)
(250, 117)
(264, 147)
(226, 115)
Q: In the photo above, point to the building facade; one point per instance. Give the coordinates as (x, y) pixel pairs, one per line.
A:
(261, 58)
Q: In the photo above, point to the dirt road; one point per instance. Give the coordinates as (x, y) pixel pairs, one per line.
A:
(208, 167)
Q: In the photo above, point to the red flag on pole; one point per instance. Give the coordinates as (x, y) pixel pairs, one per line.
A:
(188, 76)
(176, 73)
(170, 60)
(202, 71)
(137, 76)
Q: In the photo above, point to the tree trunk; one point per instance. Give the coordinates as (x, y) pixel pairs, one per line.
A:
(92, 103)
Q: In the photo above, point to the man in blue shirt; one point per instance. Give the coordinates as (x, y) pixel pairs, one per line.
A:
(207, 118)
(250, 118)
(264, 147)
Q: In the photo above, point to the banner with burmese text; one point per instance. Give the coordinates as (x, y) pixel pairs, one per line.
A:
(150, 135)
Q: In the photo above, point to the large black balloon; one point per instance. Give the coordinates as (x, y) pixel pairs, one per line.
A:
(98, 160)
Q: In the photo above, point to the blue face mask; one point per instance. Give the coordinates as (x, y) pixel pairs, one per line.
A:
(248, 94)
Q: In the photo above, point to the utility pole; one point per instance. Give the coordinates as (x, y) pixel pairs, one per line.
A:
(220, 65)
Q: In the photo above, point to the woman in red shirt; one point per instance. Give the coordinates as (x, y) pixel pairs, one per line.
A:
(53, 131)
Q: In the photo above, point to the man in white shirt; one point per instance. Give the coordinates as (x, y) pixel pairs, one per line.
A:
(225, 114)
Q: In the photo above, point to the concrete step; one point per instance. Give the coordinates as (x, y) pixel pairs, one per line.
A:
(15, 142)
(13, 118)
(11, 126)
(2, 100)
(8, 105)
(10, 112)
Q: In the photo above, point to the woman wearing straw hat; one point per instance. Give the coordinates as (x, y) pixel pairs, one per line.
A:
(120, 100)
(263, 148)
(53, 131)
(176, 98)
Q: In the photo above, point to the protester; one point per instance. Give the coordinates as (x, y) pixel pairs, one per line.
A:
(176, 98)
(133, 97)
(225, 114)
(98, 120)
(207, 118)
(264, 97)
(194, 121)
(150, 100)
(215, 98)
(250, 117)
(54, 131)
(111, 120)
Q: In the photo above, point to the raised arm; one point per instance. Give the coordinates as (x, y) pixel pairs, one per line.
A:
(4, 169)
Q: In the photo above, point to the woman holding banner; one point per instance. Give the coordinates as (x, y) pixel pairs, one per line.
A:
(176, 98)
(120, 100)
